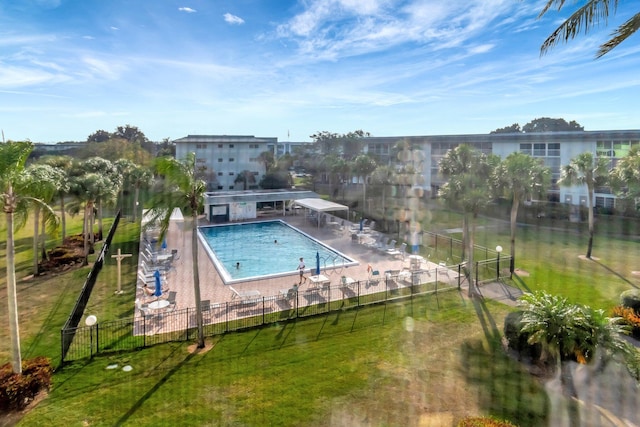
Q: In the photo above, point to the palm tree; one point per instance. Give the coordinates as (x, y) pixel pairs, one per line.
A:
(363, 165)
(106, 190)
(587, 16)
(520, 177)
(625, 177)
(384, 177)
(42, 185)
(571, 332)
(586, 169)
(245, 177)
(468, 189)
(182, 189)
(14, 202)
(62, 164)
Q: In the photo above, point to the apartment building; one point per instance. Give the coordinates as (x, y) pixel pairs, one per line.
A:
(223, 158)
(556, 149)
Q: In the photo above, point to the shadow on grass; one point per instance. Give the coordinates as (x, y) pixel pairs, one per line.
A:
(505, 389)
(615, 273)
(138, 404)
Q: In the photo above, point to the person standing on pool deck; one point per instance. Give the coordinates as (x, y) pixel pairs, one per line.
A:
(301, 268)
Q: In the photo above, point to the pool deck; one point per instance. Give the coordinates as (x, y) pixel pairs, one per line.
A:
(212, 287)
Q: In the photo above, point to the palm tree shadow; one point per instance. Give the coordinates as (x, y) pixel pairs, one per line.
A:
(612, 271)
(487, 321)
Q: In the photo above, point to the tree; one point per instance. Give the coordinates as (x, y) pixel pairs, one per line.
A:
(586, 169)
(363, 165)
(106, 190)
(624, 178)
(384, 177)
(99, 136)
(520, 177)
(514, 128)
(62, 164)
(275, 180)
(42, 185)
(268, 160)
(547, 124)
(14, 203)
(587, 16)
(135, 176)
(468, 188)
(571, 332)
(245, 177)
(180, 188)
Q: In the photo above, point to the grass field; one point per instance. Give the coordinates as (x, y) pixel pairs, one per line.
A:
(429, 361)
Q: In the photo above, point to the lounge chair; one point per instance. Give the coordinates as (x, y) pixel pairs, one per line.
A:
(374, 278)
(398, 252)
(172, 300)
(244, 295)
(389, 246)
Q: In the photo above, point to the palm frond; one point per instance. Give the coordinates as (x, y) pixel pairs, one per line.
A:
(592, 13)
(620, 35)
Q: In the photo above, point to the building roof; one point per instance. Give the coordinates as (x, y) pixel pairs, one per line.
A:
(225, 197)
(321, 205)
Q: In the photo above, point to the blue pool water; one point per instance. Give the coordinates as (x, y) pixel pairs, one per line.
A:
(254, 246)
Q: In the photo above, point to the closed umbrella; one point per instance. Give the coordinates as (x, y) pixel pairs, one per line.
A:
(361, 224)
(164, 244)
(317, 263)
(158, 290)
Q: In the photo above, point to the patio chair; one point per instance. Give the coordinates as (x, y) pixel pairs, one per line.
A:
(398, 252)
(172, 299)
(391, 245)
(374, 278)
(244, 295)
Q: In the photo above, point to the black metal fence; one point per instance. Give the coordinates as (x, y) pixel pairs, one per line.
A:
(180, 325)
(71, 325)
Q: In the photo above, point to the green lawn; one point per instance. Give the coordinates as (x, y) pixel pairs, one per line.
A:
(395, 364)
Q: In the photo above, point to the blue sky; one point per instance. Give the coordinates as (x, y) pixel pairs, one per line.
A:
(288, 69)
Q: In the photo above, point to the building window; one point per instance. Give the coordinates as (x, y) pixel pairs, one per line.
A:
(525, 148)
(219, 173)
(553, 150)
(230, 145)
(201, 146)
(220, 187)
(219, 160)
(231, 173)
(539, 150)
(201, 160)
(231, 159)
(256, 173)
(231, 187)
(219, 145)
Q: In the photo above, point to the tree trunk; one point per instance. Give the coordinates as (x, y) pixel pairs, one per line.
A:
(473, 292)
(570, 393)
(43, 239)
(591, 221)
(36, 236)
(63, 220)
(16, 358)
(196, 279)
(135, 203)
(85, 235)
(514, 218)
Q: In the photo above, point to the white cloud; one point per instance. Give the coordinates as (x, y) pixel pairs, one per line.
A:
(232, 19)
(186, 9)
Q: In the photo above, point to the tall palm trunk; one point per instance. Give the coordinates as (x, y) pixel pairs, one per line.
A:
(591, 221)
(473, 291)
(196, 278)
(63, 219)
(16, 358)
(513, 218)
(135, 203)
(36, 237)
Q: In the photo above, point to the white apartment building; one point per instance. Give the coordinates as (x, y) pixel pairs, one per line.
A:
(222, 158)
(556, 149)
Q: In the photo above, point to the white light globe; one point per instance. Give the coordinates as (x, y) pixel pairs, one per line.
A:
(91, 320)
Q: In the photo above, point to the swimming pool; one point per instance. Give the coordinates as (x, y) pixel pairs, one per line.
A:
(265, 249)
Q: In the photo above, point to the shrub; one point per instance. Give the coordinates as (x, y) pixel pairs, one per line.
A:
(629, 317)
(631, 299)
(484, 422)
(16, 391)
(518, 340)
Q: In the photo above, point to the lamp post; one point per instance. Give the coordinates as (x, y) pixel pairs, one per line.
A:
(498, 250)
(91, 321)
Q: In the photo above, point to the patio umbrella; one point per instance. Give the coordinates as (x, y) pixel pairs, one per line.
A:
(317, 263)
(164, 244)
(158, 290)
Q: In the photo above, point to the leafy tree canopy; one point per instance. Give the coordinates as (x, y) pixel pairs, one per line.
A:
(543, 124)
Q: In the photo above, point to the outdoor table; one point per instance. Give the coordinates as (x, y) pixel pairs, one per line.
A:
(415, 261)
(319, 280)
(159, 304)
